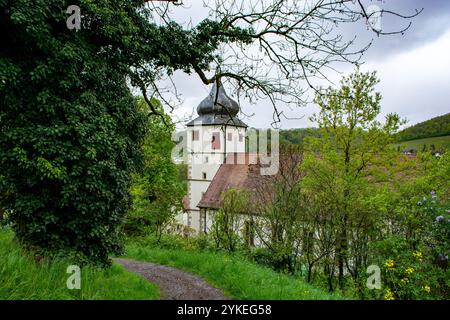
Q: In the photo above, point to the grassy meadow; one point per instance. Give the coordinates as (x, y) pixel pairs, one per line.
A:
(234, 275)
(22, 278)
(440, 143)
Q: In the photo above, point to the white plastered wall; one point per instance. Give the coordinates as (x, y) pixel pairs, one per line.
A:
(204, 161)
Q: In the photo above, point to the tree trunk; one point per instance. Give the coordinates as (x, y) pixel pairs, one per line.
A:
(341, 259)
(310, 266)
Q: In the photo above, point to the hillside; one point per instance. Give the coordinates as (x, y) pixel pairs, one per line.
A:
(435, 127)
(296, 136)
(426, 144)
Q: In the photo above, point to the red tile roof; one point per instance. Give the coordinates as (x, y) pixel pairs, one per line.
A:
(234, 173)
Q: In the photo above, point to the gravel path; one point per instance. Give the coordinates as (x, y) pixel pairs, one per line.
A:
(174, 284)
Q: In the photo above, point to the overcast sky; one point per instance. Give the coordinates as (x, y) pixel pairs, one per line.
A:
(414, 68)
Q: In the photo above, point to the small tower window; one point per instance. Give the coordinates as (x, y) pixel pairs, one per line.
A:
(215, 142)
(230, 136)
(241, 137)
(204, 175)
(206, 159)
(195, 135)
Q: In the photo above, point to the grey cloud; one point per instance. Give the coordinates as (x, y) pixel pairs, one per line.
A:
(429, 25)
(418, 100)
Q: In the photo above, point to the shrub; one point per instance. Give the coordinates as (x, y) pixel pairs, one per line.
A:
(262, 256)
(418, 269)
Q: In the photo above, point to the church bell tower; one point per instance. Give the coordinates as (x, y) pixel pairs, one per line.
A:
(216, 132)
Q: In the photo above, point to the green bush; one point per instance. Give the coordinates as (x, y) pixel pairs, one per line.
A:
(417, 268)
(204, 242)
(409, 274)
(266, 257)
(175, 242)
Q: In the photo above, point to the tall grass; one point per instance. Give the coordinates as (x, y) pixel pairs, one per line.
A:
(21, 277)
(237, 277)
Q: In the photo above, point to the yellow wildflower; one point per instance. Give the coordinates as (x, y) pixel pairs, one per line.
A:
(404, 281)
(427, 289)
(388, 295)
(418, 255)
(389, 264)
(409, 270)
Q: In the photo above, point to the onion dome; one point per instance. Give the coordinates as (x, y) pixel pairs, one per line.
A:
(218, 109)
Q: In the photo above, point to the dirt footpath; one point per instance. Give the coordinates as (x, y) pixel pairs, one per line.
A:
(173, 283)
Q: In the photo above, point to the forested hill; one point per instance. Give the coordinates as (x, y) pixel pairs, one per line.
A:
(296, 136)
(293, 136)
(435, 127)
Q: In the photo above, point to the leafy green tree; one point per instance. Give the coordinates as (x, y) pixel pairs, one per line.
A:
(228, 221)
(353, 142)
(157, 190)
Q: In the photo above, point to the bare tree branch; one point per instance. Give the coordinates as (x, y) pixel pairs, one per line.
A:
(294, 43)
